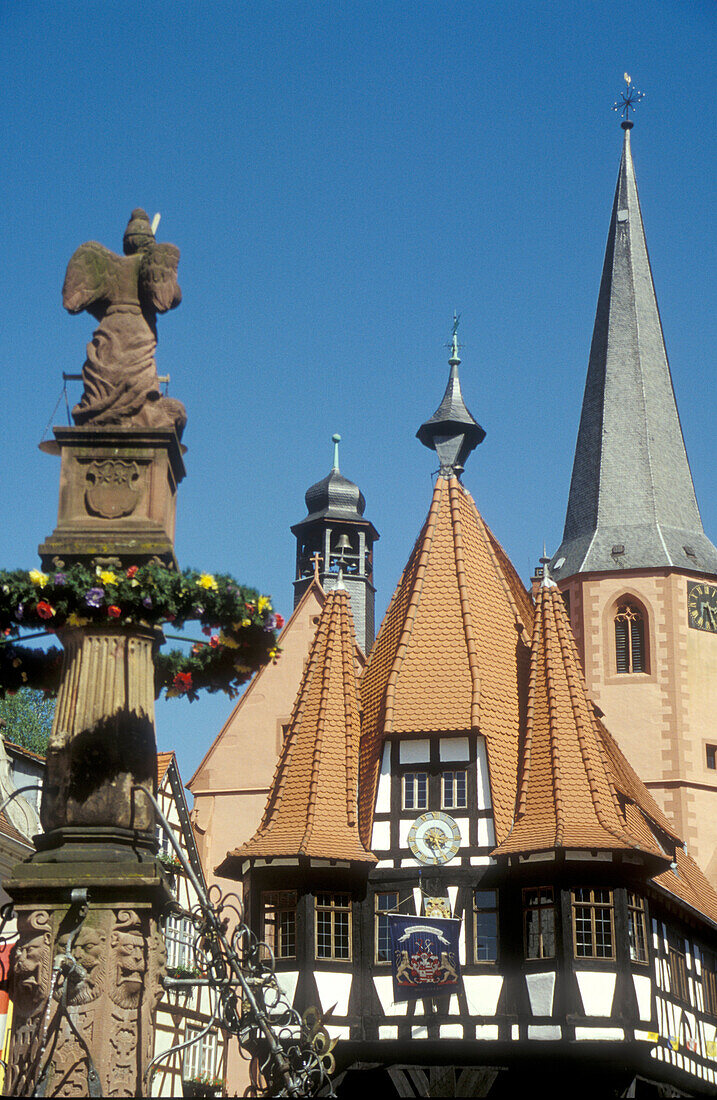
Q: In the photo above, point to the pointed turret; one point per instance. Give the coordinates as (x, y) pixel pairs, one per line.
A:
(567, 797)
(312, 810)
(632, 503)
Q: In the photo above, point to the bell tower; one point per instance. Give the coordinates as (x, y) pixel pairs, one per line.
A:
(635, 566)
(334, 535)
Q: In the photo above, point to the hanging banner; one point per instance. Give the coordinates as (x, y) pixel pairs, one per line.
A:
(424, 956)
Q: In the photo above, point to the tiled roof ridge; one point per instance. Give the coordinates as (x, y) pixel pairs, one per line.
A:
(554, 732)
(350, 681)
(575, 690)
(283, 763)
(453, 490)
(426, 538)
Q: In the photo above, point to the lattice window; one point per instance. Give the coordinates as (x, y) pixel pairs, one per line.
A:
(415, 790)
(593, 923)
(201, 1057)
(454, 792)
(539, 922)
(630, 639)
(637, 928)
(279, 922)
(179, 936)
(333, 926)
(485, 925)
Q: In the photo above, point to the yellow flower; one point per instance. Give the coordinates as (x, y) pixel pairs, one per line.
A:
(206, 580)
(274, 652)
(226, 640)
(73, 619)
(240, 668)
(38, 578)
(246, 622)
(107, 577)
(263, 604)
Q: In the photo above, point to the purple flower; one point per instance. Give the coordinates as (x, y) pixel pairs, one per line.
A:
(147, 601)
(20, 611)
(60, 579)
(199, 610)
(95, 597)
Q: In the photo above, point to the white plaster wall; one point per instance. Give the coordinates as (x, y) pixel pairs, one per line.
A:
(541, 988)
(381, 836)
(597, 989)
(482, 993)
(384, 990)
(483, 786)
(383, 794)
(643, 992)
(453, 748)
(414, 752)
(334, 988)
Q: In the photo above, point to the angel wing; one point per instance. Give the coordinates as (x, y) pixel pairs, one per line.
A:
(86, 277)
(158, 277)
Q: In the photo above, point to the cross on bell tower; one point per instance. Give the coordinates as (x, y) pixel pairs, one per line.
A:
(336, 531)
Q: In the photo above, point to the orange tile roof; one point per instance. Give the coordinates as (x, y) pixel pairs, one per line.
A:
(164, 759)
(452, 652)
(9, 830)
(311, 809)
(566, 794)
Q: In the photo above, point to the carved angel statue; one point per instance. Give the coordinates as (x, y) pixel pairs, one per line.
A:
(125, 293)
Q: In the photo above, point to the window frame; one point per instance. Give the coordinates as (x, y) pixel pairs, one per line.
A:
(629, 611)
(286, 904)
(201, 1056)
(335, 911)
(677, 968)
(709, 982)
(592, 905)
(638, 941)
(454, 772)
(487, 909)
(179, 938)
(541, 908)
(415, 785)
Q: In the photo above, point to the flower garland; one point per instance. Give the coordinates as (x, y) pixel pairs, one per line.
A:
(239, 624)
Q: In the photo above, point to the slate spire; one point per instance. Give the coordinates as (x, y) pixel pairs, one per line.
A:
(632, 503)
(452, 432)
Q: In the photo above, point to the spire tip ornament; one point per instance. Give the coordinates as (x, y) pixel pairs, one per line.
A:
(628, 101)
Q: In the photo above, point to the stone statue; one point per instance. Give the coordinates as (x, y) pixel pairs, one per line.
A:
(124, 293)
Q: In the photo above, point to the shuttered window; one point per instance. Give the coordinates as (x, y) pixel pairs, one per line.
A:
(629, 639)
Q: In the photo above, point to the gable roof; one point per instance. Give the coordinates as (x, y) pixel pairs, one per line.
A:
(460, 598)
(311, 810)
(631, 483)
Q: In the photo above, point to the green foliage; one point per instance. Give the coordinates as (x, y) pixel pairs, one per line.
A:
(239, 623)
(27, 715)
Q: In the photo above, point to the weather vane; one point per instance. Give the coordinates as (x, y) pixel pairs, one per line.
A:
(629, 99)
(454, 345)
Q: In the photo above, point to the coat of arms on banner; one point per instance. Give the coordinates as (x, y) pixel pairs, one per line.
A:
(424, 956)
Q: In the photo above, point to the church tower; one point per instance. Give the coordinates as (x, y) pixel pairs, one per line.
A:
(336, 531)
(636, 569)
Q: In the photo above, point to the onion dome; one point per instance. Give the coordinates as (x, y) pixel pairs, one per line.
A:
(335, 497)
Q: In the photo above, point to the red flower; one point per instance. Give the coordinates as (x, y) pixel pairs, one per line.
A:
(132, 571)
(114, 611)
(206, 630)
(45, 610)
(170, 618)
(182, 681)
(250, 609)
(214, 641)
(278, 620)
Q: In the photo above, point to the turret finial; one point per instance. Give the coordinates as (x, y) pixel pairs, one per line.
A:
(336, 439)
(628, 101)
(547, 581)
(455, 359)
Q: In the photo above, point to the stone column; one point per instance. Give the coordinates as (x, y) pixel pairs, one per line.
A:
(90, 957)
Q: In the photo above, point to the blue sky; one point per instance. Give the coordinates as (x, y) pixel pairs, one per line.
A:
(340, 177)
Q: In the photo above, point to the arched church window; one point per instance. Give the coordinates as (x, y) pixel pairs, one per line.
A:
(630, 639)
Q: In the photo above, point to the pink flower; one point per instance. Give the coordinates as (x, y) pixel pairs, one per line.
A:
(214, 641)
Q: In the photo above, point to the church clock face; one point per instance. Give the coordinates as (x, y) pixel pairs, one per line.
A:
(434, 837)
(702, 606)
